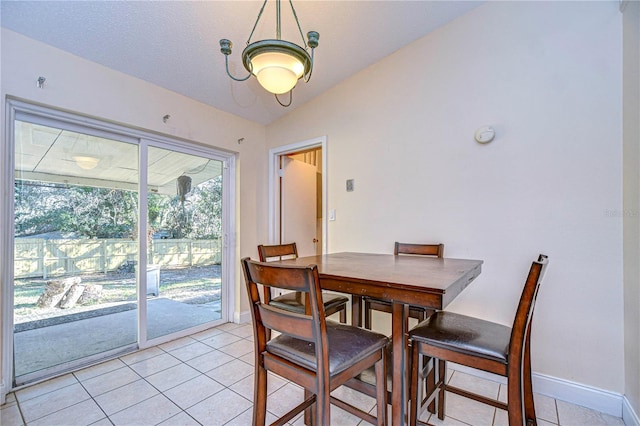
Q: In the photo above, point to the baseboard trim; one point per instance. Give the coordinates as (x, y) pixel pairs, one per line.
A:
(629, 416)
(587, 396)
(242, 317)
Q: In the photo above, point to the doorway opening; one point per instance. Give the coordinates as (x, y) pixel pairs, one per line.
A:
(298, 201)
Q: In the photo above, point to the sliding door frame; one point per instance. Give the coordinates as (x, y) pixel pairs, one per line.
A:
(15, 110)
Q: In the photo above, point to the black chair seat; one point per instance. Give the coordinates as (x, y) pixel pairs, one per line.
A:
(294, 302)
(347, 344)
(464, 334)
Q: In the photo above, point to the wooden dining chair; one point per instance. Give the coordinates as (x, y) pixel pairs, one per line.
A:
(417, 312)
(476, 343)
(294, 301)
(316, 353)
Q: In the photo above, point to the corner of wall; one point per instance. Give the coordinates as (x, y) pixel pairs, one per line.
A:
(242, 317)
(631, 206)
(629, 416)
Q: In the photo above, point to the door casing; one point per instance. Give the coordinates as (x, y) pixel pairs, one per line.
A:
(274, 187)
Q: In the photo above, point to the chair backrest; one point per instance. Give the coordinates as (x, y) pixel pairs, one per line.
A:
(310, 326)
(521, 329)
(419, 249)
(277, 252)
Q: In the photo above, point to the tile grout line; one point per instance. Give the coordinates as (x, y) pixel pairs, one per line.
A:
(47, 393)
(92, 398)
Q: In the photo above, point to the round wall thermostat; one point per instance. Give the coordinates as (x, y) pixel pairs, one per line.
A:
(485, 134)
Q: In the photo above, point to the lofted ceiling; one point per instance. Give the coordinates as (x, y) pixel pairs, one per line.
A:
(175, 44)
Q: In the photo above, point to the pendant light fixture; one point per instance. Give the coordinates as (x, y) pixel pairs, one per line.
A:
(86, 163)
(277, 64)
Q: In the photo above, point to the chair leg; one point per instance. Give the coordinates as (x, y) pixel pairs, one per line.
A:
(381, 390)
(367, 315)
(414, 383)
(322, 410)
(529, 406)
(407, 350)
(515, 400)
(260, 396)
(310, 413)
(426, 360)
(343, 315)
(441, 378)
(430, 379)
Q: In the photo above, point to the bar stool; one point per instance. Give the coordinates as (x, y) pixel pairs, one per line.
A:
(476, 343)
(316, 353)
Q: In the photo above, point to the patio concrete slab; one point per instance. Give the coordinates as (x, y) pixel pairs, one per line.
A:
(46, 347)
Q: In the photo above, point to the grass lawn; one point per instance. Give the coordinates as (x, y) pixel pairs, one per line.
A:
(194, 285)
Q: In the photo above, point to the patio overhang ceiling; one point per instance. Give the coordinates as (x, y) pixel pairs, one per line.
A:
(47, 154)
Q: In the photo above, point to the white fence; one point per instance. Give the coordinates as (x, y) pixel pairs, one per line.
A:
(36, 257)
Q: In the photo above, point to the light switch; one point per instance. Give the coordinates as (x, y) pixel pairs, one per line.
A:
(332, 214)
(349, 185)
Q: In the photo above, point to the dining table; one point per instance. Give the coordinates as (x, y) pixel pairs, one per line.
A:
(402, 280)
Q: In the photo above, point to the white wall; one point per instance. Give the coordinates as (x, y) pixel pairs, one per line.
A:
(547, 76)
(631, 216)
(80, 86)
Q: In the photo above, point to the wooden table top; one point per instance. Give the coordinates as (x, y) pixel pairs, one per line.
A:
(418, 280)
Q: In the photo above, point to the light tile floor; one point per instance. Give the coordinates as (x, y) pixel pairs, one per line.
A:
(207, 379)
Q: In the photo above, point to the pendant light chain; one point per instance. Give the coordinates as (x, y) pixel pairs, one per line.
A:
(278, 32)
(297, 22)
(256, 23)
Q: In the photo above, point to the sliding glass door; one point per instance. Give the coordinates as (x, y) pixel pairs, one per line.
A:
(79, 291)
(75, 247)
(184, 274)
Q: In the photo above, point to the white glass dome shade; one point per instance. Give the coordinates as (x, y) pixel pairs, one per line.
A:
(277, 64)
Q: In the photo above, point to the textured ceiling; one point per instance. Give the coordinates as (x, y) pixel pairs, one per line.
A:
(175, 44)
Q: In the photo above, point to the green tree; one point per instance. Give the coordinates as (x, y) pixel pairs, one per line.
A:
(102, 213)
(207, 210)
(90, 212)
(38, 208)
(85, 211)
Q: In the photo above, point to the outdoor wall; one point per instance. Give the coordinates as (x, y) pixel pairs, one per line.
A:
(547, 77)
(87, 88)
(631, 216)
